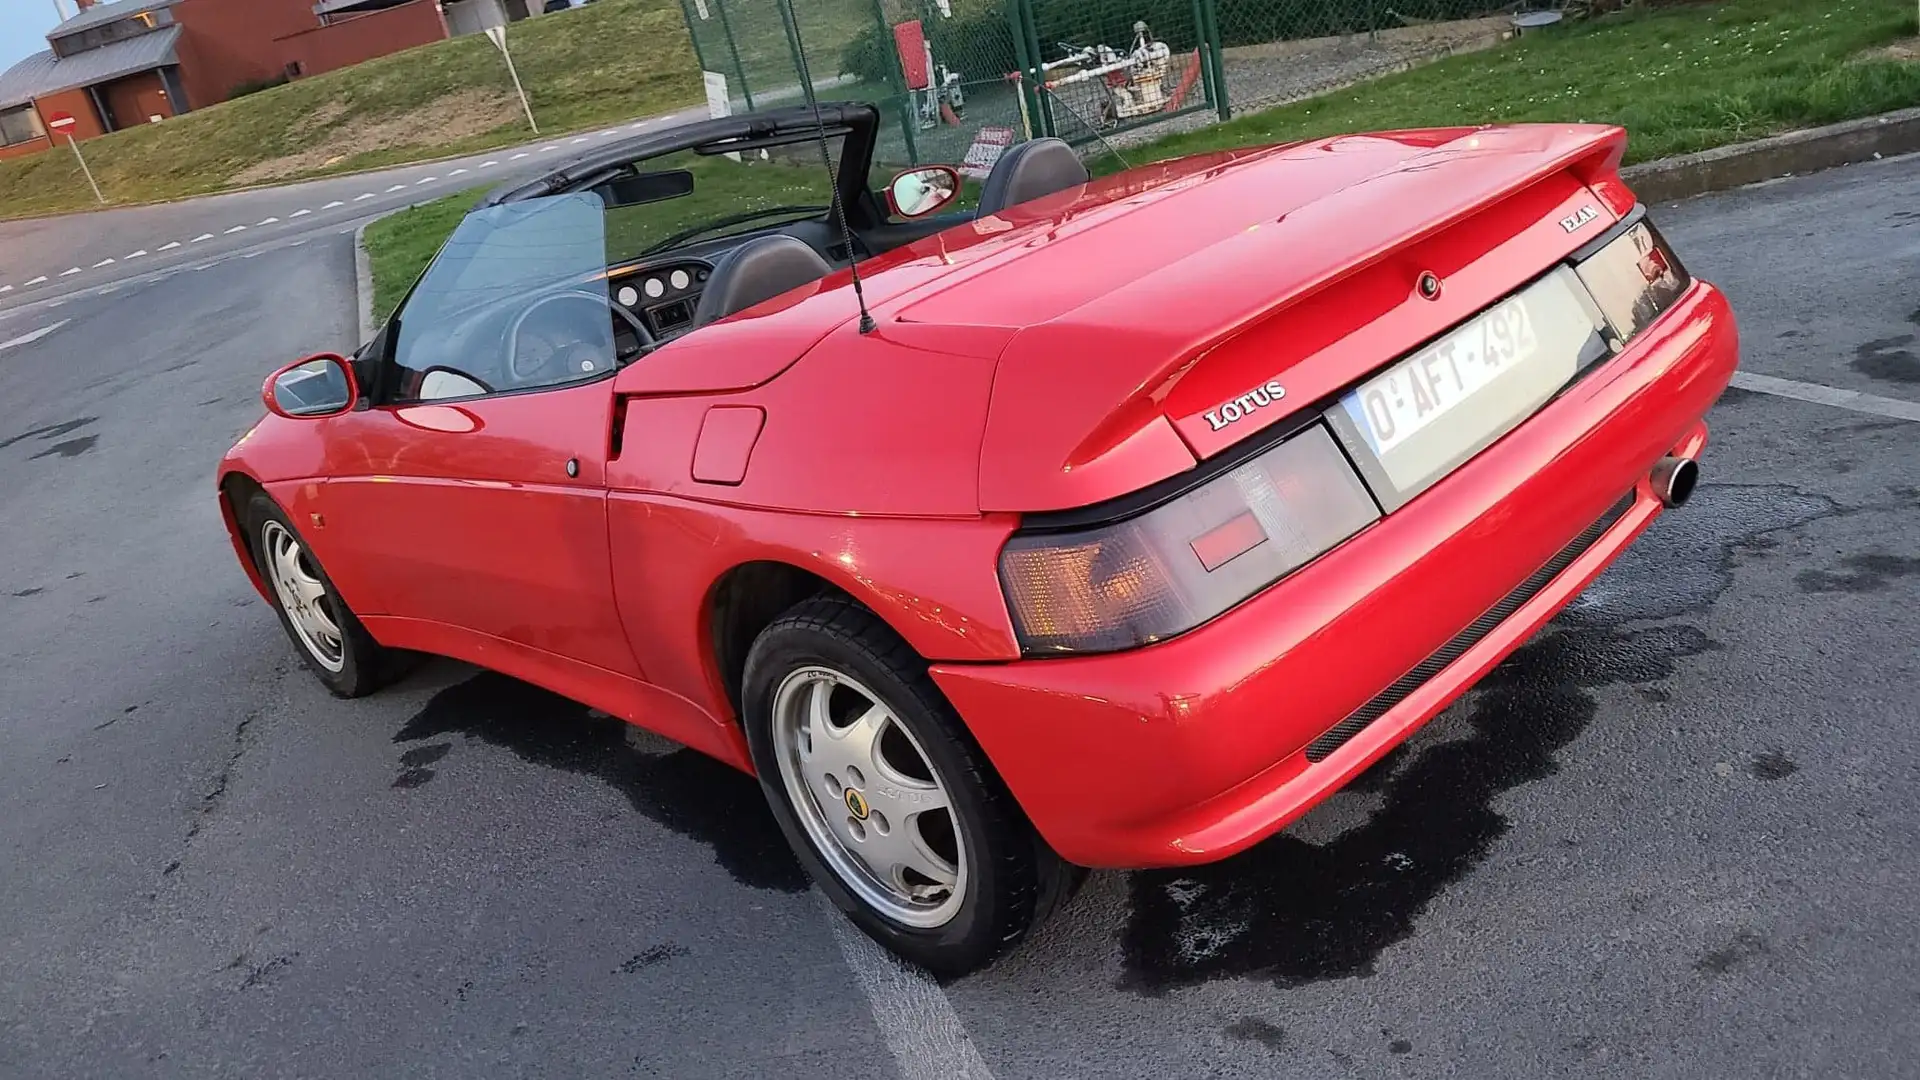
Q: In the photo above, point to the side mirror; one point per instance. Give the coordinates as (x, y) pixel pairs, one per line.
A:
(309, 389)
(919, 192)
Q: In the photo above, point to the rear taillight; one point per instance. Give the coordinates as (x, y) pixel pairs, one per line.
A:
(1634, 278)
(1166, 571)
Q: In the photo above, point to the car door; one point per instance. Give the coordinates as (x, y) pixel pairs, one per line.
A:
(470, 494)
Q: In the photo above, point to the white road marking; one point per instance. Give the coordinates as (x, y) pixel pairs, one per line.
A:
(6, 288)
(609, 133)
(458, 172)
(28, 339)
(103, 262)
(1852, 400)
(235, 229)
(518, 156)
(364, 198)
(489, 164)
(203, 236)
(428, 180)
(297, 243)
(396, 187)
(269, 221)
(638, 126)
(578, 141)
(253, 254)
(912, 1012)
(553, 146)
(333, 204)
(69, 273)
(299, 213)
(41, 280)
(137, 254)
(170, 246)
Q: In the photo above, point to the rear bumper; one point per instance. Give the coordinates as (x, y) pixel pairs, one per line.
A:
(1194, 749)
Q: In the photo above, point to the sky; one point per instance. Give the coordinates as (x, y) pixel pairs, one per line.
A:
(24, 25)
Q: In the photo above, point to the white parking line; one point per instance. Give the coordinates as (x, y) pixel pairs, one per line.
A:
(41, 280)
(912, 1012)
(28, 339)
(170, 246)
(202, 237)
(299, 213)
(638, 126)
(138, 254)
(6, 288)
(396, 187)
(364, 198)
(518, 156)
(489, 164)
(458, 172)
(235, 229)
(103, 262)
(553, 146)
(269, 221)
(69, 273)
(609, 133)
(1852, 400)
(577, 142)
(333, 204)
(428, 180)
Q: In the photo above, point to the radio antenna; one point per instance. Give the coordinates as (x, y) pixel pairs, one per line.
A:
(867, 325)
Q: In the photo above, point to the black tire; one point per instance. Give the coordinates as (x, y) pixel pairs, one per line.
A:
(1014, 880)
(365, 664)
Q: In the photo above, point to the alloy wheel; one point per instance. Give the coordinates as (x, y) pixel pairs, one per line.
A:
(869, 798)
(303, 596)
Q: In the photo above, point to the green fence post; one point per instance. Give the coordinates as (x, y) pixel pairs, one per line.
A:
(1218, 60)
(733, 47)
(1203, 53)
(1031, 29)
(699, 54)
(1029, 92)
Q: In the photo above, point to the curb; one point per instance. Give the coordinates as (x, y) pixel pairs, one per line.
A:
(363, 283)
(1792, 154)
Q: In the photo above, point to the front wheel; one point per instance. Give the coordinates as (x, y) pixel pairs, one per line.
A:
(323, 629)
(885, 797)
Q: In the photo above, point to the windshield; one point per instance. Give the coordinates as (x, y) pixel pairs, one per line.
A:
(729, 196)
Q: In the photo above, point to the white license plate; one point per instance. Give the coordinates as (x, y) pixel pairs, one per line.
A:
(1425, 414)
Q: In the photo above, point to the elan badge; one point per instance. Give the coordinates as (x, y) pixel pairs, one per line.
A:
(1258, 398)
(1586, 215)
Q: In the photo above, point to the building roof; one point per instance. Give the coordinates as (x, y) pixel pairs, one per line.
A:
(106, 13)
(44, 73)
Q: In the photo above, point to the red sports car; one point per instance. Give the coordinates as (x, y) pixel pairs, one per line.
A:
(1139, 514)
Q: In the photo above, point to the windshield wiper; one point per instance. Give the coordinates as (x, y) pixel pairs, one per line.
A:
(737, 219)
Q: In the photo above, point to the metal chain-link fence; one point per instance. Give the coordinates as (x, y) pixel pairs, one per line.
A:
(1275, 51)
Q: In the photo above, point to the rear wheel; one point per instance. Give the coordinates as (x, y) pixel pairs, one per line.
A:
(885, 797)
(323, 629)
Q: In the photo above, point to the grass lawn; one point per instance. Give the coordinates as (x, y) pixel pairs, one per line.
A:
(1678, 79)
(605, 62)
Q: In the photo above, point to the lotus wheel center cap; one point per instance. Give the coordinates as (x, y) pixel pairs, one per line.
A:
(856, 805)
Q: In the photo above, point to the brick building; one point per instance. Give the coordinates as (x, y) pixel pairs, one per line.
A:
(130, 62)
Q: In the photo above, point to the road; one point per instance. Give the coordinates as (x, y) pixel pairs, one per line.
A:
(1676, 836)
(46, 258)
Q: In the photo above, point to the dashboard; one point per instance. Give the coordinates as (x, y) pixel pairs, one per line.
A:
(663, 296)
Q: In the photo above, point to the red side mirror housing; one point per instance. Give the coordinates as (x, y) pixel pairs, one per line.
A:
(310, 389)
(922, 191)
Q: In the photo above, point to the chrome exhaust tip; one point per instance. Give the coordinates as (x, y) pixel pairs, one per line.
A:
(1674, 479)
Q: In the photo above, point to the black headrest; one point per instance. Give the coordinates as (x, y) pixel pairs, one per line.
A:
(755, 272)
(1030, 171)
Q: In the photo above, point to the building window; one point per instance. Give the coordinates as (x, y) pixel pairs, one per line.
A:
(20, 125)
(119, 30)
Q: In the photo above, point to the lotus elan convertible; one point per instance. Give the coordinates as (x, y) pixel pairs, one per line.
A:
(1104, 523)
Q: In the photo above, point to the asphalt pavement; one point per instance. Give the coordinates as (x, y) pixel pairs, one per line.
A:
(1675, 836)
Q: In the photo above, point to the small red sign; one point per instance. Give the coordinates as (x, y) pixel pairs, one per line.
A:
(60, 121)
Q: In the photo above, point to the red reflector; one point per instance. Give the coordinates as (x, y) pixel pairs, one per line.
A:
(1222, 545)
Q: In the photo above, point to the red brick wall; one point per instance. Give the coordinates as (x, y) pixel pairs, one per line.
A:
(224, 43)
(23, 149)
(350, 41)
(136, 98)
(77, 102)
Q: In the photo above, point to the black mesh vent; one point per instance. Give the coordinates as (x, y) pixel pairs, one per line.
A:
(1334, 739)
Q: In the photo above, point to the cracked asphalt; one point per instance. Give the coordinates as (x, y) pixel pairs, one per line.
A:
(1675, 836)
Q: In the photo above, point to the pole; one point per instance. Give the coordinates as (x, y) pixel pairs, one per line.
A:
(498, 35)
(77, 156)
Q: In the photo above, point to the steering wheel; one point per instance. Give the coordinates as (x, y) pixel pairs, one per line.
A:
(528, 373)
